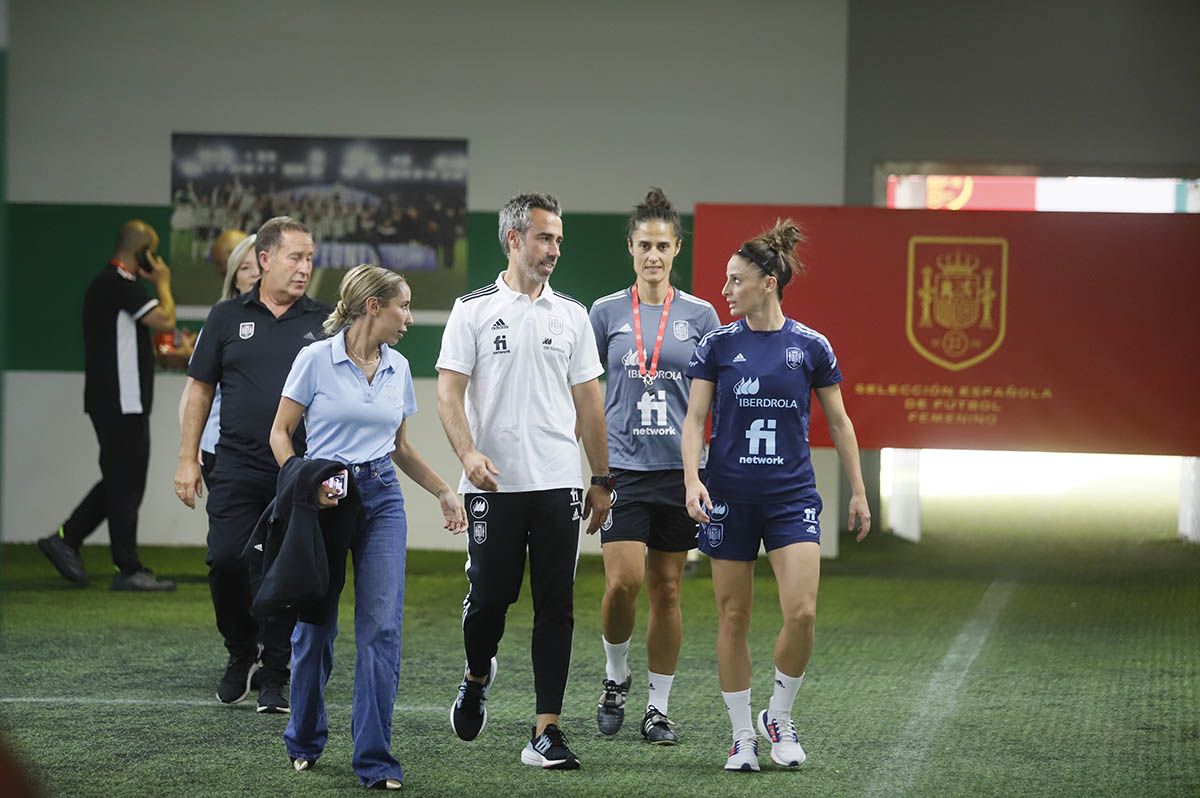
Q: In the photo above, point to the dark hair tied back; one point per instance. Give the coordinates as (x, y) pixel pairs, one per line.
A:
(655, 207)
(774, 252)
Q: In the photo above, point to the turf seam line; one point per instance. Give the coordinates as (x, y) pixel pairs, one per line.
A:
(939, 701)
(182, 702)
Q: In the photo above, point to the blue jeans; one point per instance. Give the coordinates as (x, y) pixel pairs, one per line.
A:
(378, 549)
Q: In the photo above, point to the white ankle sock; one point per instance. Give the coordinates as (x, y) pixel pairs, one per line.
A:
(784, 695)
(738, 705)
(660, 691)
(617, 660)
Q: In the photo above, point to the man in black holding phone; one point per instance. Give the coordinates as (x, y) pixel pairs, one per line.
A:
(118, 315)
(247, 349)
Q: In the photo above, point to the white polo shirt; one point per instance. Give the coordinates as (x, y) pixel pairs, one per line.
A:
(523, 358)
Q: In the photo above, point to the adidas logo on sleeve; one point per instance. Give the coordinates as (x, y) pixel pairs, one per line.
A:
(739, 358)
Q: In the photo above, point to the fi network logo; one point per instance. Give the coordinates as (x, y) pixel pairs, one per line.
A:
(761, 435)
(653, 407)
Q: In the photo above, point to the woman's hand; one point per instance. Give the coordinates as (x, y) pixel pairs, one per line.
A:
(698, 502)
(452, 511)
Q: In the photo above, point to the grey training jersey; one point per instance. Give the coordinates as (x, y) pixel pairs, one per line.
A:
(644, 424)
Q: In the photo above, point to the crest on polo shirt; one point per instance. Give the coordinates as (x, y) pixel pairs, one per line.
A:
(246, 330)
(794, 357)
(393, 393)
(556, 325)
(479, 531)
(681, 330)
(716, 534)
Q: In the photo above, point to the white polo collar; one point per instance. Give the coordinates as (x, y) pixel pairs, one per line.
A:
(547, 294)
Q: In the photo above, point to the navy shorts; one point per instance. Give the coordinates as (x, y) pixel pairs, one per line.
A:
(649, 508)
(736, 529)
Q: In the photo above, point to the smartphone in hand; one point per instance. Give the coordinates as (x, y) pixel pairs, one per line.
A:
(143, 260)
(337, 484)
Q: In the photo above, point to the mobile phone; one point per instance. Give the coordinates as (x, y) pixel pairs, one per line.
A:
(143, 260)
(337, 484)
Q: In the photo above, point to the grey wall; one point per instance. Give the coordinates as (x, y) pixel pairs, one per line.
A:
(1106, 84)
(591, 100)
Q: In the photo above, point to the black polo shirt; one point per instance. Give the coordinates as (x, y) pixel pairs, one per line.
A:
(249, 352)
(118, 357)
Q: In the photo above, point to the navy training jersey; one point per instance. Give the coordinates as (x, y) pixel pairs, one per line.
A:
(643, 422)
(761, 408)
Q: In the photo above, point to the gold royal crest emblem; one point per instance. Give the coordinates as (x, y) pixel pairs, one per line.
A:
(957, 298)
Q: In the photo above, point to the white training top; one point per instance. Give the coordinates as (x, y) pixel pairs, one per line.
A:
(523, 358)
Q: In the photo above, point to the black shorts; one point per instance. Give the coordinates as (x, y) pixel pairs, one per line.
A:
(650, 508)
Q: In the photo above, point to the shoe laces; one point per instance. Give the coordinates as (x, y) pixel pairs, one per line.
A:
(556, 736)
(466, 687)
(782, 731)
(614, 694)
(655, 718)
(739, 746)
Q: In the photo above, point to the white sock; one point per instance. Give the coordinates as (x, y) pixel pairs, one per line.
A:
(784, 695)
(617, 656)
(660, 691)
(738, 705)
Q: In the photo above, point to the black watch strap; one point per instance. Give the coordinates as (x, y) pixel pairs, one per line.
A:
(605, 481)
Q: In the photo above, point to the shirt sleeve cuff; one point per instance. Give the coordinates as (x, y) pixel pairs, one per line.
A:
(144, 309)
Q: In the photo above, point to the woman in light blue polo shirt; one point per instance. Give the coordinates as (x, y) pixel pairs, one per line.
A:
(354, 393)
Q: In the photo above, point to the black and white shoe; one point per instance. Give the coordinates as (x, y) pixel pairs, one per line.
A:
(235, 684)
(549, 750)
(468, 714)
(273, 699)
(610, 711)
(658, 729)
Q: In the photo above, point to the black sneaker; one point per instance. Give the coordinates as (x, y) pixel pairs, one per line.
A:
(143, 581)
(610, 712)
(657, 729)
(273, 699)
(63, 556)
(468, 714)
(549, 750)
(235, 684)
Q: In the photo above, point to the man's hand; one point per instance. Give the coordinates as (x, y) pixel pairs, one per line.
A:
(597, 505)
(480, 470)
(188, 484)
(159, 271)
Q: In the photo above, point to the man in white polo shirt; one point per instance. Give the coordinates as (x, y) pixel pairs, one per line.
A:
(518, 369)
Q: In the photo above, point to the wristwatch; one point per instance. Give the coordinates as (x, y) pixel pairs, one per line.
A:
(606, 481)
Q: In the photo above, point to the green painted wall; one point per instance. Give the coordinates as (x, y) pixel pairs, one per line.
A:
(56, 249)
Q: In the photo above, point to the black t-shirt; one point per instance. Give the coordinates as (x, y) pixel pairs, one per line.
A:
(118, 356)
(249, 352)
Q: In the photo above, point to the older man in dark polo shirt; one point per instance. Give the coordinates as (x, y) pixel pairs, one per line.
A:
(247, 348)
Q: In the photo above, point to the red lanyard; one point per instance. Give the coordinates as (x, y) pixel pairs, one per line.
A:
(648, 376)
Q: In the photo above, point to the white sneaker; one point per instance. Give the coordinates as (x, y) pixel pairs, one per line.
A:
(743, 756)
(785, 745)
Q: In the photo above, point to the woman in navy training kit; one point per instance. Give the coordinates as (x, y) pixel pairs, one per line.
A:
(355, 393)
(761, 371)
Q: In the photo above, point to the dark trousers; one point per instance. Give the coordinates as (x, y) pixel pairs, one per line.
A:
(238, 494)
(502, 527)
(124, 461)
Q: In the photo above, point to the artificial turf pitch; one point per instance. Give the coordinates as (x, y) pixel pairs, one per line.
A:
(995, 661)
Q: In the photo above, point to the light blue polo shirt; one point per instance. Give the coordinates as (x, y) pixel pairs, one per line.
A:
(348, 419)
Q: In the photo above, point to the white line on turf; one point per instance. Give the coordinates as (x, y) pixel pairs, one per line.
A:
(940, 699)
(176, 702)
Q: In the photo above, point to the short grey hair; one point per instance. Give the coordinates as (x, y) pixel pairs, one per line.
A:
(515, 215)
(270, 235)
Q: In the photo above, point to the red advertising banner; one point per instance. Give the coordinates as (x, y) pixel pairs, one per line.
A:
(1071, 332)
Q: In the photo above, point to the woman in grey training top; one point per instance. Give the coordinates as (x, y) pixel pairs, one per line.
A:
(646, 334)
